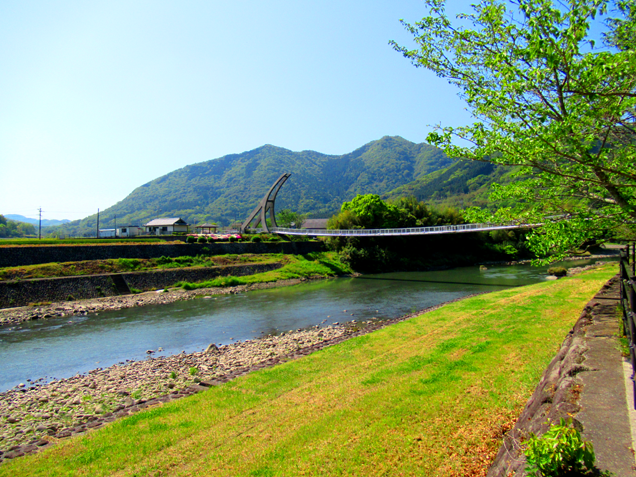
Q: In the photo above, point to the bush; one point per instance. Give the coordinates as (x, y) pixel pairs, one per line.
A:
(256, 239)
(275, 238)
(558, 452)
(557, 271)
(232, 239)
(191, 239)
(202, 240)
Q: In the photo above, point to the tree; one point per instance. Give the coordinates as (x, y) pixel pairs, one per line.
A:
(285, 218)
(546, 99)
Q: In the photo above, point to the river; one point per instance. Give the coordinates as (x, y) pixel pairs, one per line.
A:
(61, 347)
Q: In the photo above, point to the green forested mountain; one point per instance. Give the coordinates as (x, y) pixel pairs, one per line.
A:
(462, 184)
(226, 189)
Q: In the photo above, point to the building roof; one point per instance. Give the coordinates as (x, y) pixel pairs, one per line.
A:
(206, 226)
(165, 221)
(315, 224)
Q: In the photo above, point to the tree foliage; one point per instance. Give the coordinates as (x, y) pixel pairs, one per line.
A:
(548, 99)
(13, 228)
(289, 218)
(373, 254)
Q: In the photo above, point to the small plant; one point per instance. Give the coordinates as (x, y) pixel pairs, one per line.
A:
(206, 249)
(134, 290)
(193, 371)
(232, 239)
(70, 298)
(191, 239)
(136, 394)
(256, 239)
(173, 375)
(559, 451)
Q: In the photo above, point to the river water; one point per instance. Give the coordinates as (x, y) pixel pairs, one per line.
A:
(61, 347)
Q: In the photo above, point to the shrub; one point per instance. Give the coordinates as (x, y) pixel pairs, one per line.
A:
(193, 371)
(274, 238)
(256, 239)
(202, 240)
(560, 451)
(191, 239)
(232, 239)
(206, 249)
(128, 263)
(557, 271)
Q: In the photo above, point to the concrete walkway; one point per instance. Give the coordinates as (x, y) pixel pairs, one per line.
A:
(606, 400)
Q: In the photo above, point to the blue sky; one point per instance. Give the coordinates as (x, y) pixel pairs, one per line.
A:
(100, 97)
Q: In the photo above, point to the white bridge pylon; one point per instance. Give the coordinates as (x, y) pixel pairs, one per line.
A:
(438, 230)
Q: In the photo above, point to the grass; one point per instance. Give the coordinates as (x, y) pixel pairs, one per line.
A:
(91, 267)
(318, 264)
(428, 396)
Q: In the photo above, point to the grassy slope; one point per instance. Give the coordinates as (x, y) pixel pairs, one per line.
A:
(428, 396)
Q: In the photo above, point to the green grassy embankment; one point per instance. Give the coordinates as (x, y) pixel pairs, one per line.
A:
(294, 266)
(428, 396)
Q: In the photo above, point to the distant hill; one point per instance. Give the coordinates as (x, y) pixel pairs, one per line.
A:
(226, 189)
(28, 220)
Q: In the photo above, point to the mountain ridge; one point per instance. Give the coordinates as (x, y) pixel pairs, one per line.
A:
(226, 189)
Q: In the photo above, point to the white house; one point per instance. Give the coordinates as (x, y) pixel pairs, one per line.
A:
(106, 233)
(166, 226)
(129, 231)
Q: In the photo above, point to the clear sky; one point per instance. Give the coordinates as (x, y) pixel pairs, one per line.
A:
(100, 97)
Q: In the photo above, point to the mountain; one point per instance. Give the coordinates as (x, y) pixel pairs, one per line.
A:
(226, 189)
(462, 184)
(28, 220)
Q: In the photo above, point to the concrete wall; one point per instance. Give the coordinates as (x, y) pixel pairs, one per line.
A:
(18, 256)
(23, 292)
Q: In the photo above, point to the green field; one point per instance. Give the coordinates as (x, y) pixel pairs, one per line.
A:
(428, 396)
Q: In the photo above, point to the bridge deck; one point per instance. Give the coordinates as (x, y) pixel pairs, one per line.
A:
(443, 229)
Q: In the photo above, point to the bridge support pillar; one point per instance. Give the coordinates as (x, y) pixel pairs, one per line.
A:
(266, 205)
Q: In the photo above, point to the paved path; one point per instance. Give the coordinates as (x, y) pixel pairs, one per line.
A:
(607, 414)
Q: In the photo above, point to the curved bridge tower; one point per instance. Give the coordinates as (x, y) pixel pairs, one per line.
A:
(265, 205)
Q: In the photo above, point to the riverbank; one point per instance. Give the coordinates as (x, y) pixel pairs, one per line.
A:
(15, 316)
(430, 395)
(37, 414)
(295, 269)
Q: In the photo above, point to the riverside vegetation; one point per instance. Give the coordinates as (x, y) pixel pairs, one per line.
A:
(431, 395)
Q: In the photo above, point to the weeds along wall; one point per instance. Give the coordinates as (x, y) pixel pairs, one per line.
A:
(27, 255)
(38, 290)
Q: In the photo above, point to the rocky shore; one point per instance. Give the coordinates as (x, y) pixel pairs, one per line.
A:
(14, 316)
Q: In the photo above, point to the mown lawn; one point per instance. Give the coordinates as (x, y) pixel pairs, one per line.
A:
(429, 396)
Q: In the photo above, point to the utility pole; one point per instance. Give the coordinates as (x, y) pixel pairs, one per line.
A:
(97, 232)
(115, 226)
(40, 226)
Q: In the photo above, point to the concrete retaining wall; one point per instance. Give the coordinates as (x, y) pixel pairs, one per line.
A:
(23, 292)
(18, 256)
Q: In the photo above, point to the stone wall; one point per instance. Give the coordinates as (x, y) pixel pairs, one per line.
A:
(555, 397)
(38, 290)
(26, 255)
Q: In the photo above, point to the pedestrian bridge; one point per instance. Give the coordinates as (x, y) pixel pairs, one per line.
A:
(442, 229)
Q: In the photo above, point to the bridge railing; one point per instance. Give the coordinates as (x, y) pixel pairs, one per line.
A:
(628, 306)
(442, 229)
